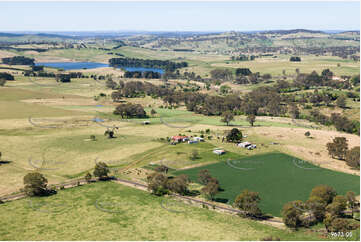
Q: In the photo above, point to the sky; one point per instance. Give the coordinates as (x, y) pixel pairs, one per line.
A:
(178, 16)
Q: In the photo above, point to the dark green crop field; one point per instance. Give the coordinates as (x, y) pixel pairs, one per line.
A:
(279, 178)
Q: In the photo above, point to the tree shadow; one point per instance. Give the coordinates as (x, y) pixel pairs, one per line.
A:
(193, 193)
(3, 162)
(221, 200)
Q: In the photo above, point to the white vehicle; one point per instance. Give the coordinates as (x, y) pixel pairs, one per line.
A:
(192, 142)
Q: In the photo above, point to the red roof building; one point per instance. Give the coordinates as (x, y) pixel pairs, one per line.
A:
(179, 138)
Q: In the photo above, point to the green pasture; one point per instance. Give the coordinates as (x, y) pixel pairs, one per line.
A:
(279, 178)
(110, 211)
(186, 119)
(178, 156)
(11, 106)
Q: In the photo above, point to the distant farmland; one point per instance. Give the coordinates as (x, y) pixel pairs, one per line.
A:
(279, 178)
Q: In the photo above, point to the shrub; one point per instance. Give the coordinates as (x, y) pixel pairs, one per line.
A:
(339, 225)
(194, 155)
(2, 82)
(88, 177)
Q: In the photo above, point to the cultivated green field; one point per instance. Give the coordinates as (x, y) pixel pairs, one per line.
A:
(110, 211)
(278, 178)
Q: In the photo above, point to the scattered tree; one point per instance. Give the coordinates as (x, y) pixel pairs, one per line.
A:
(294, 111)
(111, 84)
(224, 89)
(333, 224)
(179, 184)
(291, 214)
(351, 200)
(153, 112)
(101, 170)
(324, 192)
(35, 184)
(355, 80)
(338, 147)
(248, 201)
(235, 135)
(88, 177)
(317, 206)
(338, 206)
(221, 74)
(194, 155)
(109, 133)
(251, 118)
(210, 190)
(227, 117)
(204, 176)
(341, 101)
(157, 183)
(162, 168)
(353, 157)
(129, 110)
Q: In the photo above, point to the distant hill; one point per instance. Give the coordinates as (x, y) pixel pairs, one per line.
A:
(10, 35)
(46, 35)
(292, 31)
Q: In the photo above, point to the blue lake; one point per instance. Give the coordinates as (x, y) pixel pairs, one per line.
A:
(72, 65)
(92, 65)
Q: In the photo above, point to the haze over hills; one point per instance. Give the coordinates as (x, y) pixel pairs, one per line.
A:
(115, 33)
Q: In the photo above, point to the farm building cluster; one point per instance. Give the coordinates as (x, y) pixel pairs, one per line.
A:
(182, 138)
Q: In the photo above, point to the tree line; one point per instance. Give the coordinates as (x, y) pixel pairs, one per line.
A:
(323, 205)
(18, 60)
(134, 62)
(260, 101)
(142, 74)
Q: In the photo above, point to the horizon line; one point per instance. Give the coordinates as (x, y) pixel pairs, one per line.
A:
(229, 30)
